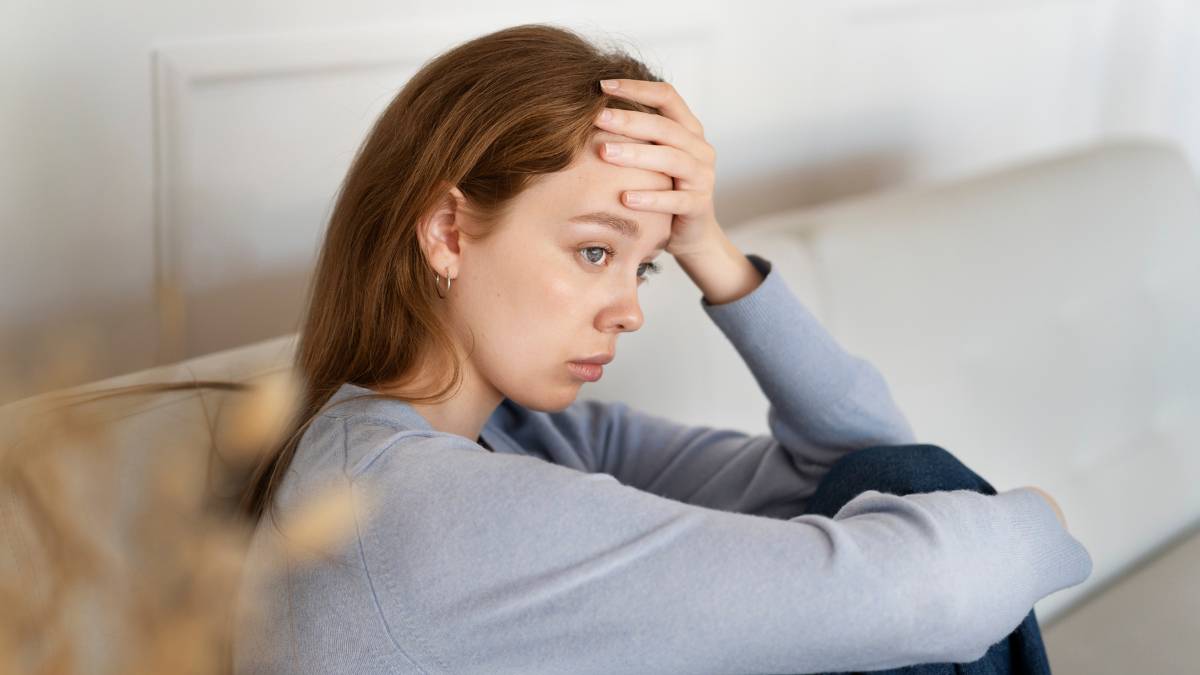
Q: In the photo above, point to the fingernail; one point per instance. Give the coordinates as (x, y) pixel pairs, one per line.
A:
(633, 198)
(609, 84)
(606, 116)
(611, 149)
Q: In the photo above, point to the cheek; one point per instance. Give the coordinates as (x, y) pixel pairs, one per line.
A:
(532, 304)
(558, 293)
(550, 307)
(544, 284)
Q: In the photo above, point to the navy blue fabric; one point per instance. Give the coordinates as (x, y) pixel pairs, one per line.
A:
(906, 469)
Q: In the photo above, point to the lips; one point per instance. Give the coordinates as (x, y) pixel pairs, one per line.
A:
(588, 372)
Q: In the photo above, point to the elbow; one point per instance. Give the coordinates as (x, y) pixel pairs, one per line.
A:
(891, 425)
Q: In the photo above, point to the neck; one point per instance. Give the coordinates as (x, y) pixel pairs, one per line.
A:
(465, 413)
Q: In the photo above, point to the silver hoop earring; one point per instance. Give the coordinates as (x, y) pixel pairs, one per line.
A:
(437, 283)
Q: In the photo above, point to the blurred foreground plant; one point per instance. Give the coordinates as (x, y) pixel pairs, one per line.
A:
(119, 552)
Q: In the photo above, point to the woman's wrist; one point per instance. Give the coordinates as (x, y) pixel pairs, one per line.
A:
(721, 271)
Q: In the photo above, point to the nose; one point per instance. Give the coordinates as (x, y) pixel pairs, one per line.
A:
(624, 315)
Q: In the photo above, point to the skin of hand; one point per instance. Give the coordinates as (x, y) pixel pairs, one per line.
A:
(677, 149)
(1057, 511)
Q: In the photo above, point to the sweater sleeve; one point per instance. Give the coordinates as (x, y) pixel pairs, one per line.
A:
(823, 403)
(495, 563)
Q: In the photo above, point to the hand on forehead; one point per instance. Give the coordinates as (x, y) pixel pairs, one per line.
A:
(657, 179)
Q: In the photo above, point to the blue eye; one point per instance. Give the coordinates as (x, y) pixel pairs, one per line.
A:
(593, 259)
(648, 268)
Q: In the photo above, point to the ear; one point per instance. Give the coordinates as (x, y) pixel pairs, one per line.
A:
(438, 231)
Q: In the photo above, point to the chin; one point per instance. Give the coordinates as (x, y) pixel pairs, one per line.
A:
(549, 402)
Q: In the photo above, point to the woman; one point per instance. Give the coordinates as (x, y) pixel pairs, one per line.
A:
(481, 247)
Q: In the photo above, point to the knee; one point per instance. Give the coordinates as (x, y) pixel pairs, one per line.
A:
(905, 469)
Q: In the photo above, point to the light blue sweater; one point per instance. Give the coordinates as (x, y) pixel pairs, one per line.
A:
(601, 539)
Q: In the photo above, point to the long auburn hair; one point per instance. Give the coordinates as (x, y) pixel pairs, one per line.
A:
(487, 116)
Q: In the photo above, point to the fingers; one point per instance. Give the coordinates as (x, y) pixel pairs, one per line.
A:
(655, 128)
(665, 201)
(662, 158)
(661, 95)
(677, 147)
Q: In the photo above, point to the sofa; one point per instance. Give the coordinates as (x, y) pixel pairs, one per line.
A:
(1041, 321)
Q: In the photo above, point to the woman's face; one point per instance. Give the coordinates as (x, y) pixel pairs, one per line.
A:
(542, 291)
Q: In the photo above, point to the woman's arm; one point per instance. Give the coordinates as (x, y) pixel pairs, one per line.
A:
(498, 563)
(824, 402)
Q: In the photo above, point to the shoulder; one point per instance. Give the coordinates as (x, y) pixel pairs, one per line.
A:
(352, 446)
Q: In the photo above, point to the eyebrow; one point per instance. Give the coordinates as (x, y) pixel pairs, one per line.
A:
(623, 226)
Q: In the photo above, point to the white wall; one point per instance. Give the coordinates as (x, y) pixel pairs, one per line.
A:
(195, 147)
